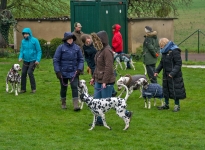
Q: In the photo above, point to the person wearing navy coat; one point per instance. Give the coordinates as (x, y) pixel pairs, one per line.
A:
(68, 62)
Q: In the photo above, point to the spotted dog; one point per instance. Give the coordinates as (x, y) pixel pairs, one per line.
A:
(130, 82)
(14, 78)
(82, 88)
(125, 58)
(99, 106)
(150, 90)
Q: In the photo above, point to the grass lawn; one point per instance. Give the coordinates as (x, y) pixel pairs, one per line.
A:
(191, 19)
(36, 121)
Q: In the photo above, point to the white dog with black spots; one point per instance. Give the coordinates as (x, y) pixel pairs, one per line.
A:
(99, 106)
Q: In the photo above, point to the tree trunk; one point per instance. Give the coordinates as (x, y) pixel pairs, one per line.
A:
(3, 43)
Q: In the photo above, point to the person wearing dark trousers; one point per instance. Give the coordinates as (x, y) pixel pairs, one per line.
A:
(150, 52)
(30, 53)
(68, 62)
(173, 84)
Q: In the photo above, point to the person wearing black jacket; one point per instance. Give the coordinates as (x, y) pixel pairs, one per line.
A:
(173, 84)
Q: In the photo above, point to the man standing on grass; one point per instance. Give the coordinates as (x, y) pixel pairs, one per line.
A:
(78, 33)
(150, 52)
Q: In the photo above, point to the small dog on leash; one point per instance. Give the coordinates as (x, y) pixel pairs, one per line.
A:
(150, 90)
(82, 88)
(14, 78)
(125, 58)
(99, 106)
(130, 82)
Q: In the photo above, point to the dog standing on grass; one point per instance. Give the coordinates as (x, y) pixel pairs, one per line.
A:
(150, 90)
(130, 82)
(125, 58)
(99, 106)
(14, 78)
(82, 88)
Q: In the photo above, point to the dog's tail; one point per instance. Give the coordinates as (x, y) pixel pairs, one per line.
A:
(127, 92)
(145, 70)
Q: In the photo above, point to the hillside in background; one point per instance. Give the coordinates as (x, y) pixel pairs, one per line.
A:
(190, 20)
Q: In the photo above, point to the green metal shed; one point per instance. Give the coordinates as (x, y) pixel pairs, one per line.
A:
(97, 15)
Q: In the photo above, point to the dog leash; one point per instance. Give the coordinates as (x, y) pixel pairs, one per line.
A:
(70, 81)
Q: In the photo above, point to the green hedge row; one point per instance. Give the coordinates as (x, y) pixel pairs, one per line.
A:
(48, 50)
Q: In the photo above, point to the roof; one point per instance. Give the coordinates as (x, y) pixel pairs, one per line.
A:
(63, 18)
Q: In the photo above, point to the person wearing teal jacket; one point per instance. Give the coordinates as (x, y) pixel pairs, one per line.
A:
(30, 53)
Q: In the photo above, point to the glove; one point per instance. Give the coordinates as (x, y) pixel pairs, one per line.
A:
(78, 72)
(157, 55)
(59, 75)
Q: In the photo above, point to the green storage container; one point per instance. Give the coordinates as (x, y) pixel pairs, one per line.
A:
(97, 15)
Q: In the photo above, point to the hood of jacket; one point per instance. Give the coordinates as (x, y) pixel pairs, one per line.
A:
(68, 35)
(152, 34)
(117, 28)
(27, 30)
(103, 37)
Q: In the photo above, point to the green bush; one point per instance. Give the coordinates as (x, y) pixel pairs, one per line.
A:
(54, 43)
(138, 54)
(43, 47)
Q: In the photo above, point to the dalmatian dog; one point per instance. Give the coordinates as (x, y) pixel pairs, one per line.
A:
(130, 82)
(82, 88)
(150, 90)
(14, 78)
(99, 106)
(125, 58)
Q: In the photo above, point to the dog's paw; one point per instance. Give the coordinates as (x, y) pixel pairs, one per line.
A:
(126, 128)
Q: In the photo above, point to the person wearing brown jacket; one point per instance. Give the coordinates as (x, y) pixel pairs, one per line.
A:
(103, 77)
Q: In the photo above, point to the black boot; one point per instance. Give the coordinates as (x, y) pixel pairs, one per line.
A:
(165, 106)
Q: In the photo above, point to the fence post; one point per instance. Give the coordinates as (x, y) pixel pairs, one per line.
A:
(198, 40)
(186, 55)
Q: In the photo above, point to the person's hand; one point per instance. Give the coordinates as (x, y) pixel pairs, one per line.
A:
(157, 55)
(170, 76)
(155, 74)
(104, 85)
(36, 63)
(92, 82)
(59, 75)
(78, 72)
(20, 59)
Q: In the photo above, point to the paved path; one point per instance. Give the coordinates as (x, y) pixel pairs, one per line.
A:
(194, 66)
(194, 56)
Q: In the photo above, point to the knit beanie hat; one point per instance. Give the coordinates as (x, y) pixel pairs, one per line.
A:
(148, 29)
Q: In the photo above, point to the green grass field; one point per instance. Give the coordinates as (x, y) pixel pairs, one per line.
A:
(36, 121)
(191, 19)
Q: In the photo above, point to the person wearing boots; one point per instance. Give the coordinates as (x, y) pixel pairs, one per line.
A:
(30, 53)
(68, 62)
(103, 77)
(171, 63)
(150, 52)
